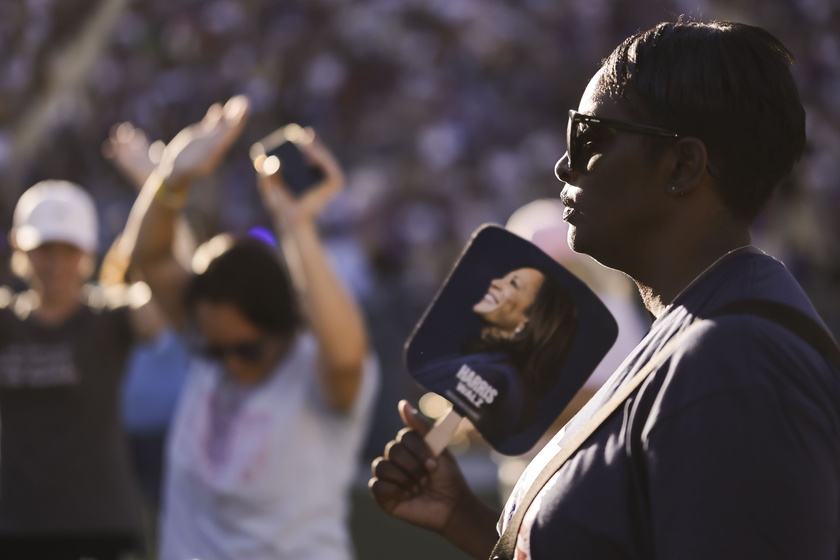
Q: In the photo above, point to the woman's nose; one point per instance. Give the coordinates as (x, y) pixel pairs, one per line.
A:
(562, 170)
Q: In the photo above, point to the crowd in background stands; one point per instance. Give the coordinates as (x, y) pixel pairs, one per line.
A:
(445, 113)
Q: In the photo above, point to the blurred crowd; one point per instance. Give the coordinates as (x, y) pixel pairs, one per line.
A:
(446, 114)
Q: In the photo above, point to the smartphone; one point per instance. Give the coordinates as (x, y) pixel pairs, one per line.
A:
(298, 174)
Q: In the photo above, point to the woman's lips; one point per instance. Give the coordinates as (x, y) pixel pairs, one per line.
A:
(569, 202)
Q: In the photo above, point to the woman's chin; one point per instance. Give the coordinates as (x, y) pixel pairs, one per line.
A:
(481, 308)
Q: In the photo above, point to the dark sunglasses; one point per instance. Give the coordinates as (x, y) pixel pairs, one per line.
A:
(252, 352)
(573, 134)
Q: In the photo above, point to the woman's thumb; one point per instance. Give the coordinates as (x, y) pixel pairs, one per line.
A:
(413, 419)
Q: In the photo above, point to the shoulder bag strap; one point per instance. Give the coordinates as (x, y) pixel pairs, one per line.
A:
(791, 318)
(504, 549)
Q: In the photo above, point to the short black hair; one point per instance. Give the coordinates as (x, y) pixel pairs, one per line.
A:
(250, 276)
(728, 84)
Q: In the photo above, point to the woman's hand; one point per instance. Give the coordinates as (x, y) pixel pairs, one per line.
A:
(410, 483)
(131, 152)
(199, 148)
(430, 492)
(279, 200)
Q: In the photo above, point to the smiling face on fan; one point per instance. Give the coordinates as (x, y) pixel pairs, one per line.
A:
(507, 301)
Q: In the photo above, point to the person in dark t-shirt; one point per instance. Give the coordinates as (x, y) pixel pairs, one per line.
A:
(730, 448)
(66, 489)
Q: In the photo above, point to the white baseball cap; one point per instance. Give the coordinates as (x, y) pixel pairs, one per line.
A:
(55, 211)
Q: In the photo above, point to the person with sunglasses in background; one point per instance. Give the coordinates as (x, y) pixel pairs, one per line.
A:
(279, 395)
(719, 435)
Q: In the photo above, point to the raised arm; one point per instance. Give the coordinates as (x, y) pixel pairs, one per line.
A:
(129, 150)
(331, 312)
(194, 152)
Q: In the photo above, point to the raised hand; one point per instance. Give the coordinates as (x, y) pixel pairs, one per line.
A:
(279, 200)
(199, 148)
(131, 152)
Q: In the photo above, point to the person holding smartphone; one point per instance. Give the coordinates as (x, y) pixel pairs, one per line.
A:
(278, 399)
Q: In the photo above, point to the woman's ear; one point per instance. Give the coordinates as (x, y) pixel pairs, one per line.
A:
(690, 166)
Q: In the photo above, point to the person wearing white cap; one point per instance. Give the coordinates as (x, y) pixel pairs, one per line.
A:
(54, 236)
(67, 489)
